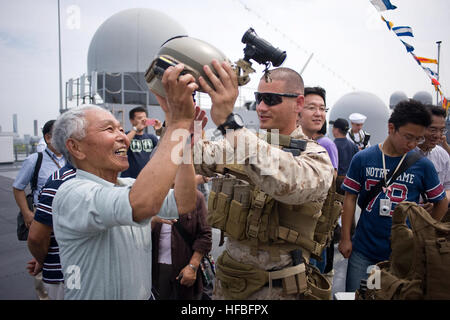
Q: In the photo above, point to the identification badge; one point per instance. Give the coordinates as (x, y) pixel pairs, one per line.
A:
(385, 207)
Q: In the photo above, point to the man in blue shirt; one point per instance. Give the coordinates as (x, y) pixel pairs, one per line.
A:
(141, 144)
(52, 160)
(346, 150)
(371, 241)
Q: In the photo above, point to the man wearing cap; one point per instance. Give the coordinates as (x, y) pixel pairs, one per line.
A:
(346, 150)
(356, 134)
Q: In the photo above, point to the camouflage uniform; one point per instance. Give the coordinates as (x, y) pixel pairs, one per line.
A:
(295, 180)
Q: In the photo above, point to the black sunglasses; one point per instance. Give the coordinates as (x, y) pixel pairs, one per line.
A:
(272, 99)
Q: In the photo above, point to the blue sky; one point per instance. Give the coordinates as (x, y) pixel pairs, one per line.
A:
(353, 49)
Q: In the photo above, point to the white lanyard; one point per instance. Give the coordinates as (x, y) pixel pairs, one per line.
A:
(386, 183)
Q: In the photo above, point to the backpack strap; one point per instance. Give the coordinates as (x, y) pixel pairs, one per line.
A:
(37, 167)
(374, 191)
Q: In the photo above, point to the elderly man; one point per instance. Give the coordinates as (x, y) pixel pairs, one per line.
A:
(102, 222)
(279, 193)
(356, 134)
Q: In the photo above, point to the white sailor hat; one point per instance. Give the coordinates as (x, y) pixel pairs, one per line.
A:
(357, 118)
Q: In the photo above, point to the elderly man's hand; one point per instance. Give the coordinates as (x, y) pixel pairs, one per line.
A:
(179, 104)
(225, 91)
(34, 267)
(188, 278)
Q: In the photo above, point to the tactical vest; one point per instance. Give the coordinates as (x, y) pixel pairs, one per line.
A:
(246, 213)
(419, 265)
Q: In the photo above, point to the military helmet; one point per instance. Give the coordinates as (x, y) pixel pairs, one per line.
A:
(192, 52)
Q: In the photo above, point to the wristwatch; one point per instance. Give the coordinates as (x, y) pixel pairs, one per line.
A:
(134, 128)
(193, 267)
(234, 121)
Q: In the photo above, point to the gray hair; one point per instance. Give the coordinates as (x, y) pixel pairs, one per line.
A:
(70, 124)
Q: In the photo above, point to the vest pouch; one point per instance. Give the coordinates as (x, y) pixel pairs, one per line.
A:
(212, 205)
(259, 217)
(268, 224)
(220, 214)
(297, 224)
(216, 187)
(402, 245)
(239, 207)
(219, 200)
(237, 218)
(319, 288)
(239, 280)
(437, 253)
(331, 211)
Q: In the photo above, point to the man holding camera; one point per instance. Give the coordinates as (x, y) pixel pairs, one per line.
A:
(289, 183)
(142, 144)
(371, 241)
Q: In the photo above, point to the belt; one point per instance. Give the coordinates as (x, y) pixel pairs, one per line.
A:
(275, 283)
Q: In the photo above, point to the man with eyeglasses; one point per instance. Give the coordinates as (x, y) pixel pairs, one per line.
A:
(312, 120)
(281, 181)
(371, 241)
(431, 149)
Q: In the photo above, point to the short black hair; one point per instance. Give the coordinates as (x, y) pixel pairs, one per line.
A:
(48, 126)
(410, 111)
(437, 111)
(316, 90)
(137, 109)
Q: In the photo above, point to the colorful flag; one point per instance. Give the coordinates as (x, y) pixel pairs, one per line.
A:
(445, 103)
(383, 5)
(430, 72)
(408, 47)
(425, 60)
(403, 31)
(415, 58)
(388, 23)
(434, 82)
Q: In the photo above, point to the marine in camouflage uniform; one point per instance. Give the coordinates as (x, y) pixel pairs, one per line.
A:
(294, 180)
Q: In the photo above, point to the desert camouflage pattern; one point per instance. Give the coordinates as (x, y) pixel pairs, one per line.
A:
(295, 180)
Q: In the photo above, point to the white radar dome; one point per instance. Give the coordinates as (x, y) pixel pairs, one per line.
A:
(368, 104)
(127, 42)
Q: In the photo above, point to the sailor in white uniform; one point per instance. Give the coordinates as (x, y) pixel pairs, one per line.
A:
(356, 134)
